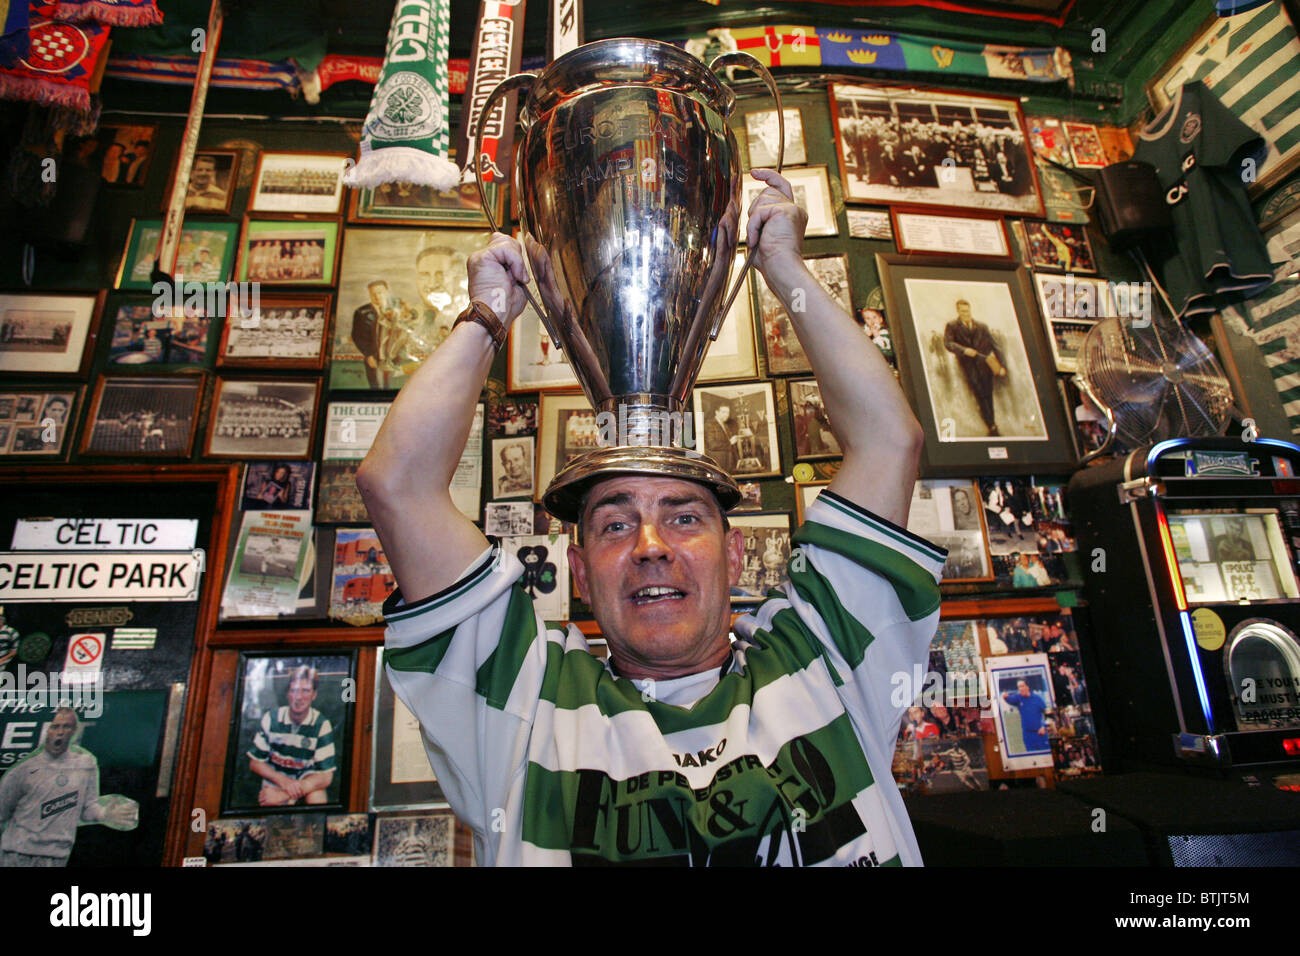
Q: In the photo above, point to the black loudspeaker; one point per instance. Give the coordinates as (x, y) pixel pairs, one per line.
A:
(1130, 204)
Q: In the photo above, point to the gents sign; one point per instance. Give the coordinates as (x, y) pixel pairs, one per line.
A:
(92, 576)
(108, 534)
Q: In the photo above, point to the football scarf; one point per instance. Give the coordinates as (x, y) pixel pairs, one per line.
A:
(59, 65)
(495, 56)
(13, 31)
(117, 13)
(405, 137)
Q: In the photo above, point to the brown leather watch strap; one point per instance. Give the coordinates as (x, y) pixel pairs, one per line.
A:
(484, 316)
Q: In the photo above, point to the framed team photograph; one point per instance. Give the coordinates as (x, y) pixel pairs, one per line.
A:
(811, 186)
(137, 417)
(288, 252)
(762, 138)
(36, 423)
(971, 359)
(926, 232)
(512, 467)
(48, 334)
(735, 425)
(933, 148)
(290, 729)
(260, 418)
(400, 775)
(283, 331)
(567, 429)
(767, 551)
(426, 839)
(1085, 145)
(813, 438)
(870, 224)
(785, 356)
(399, 293)
(125, 153)
(1021, 688)
(949, 513)
(298, 182)
(142, 335)
(214, 175)
(405, 204)
(1059, 246)
(204, 254)
(362, 578)
(805, 493)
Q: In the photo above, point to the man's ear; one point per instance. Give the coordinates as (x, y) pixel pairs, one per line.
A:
(578, 565)
(735, 555)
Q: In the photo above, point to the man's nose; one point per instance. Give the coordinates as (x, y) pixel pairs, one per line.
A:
(650, 545)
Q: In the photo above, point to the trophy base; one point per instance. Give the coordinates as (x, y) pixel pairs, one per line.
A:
(564, 495)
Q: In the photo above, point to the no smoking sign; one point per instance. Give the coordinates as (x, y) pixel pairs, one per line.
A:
(85, 657)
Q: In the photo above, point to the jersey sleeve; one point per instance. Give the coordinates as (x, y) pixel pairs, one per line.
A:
(1221, 138)
(469, 662)
(869, 591)
(324, 758)
(261, 749)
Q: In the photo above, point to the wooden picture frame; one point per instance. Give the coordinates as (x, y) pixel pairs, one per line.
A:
(743, 443)
(974, 421)
(566, 428)
(781, 346)
(813, 438)
(309, 183)
(812, 190)
(194, 252)
(404, 204)
(49, 334)
(950, 514)
(766, 553)
(922, 231)
(253, 341)
(273, 405)
(145, 425)
(142, 335)
(1071, 305)
(268, 251)
(212, 198)
(805, 493)
(1085, 146)
(30, 416)
(938, 133)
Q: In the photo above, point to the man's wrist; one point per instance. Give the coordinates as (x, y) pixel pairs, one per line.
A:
(481, 314)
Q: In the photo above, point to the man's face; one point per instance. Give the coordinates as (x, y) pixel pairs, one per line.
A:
(656, 567)
(431, 271)
(1023, 688)
(204, 171)
(378, 295)
(301, 695)
(512, 459)
(963, 312)
(59, 735)
(723, 412)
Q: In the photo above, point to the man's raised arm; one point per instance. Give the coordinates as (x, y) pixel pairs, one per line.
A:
(868, 412)
(405, 479)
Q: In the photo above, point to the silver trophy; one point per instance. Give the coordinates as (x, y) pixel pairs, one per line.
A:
(629, 182)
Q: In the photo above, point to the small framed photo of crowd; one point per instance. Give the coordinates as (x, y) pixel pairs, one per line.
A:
(785, 356)
(290, 731)
(567, 429)
(290, 252)
(813, 438)
(283, 331)
(35, 423)
(982, 235)
(214, 175)
(811, 186)
(767, 551)
(950, 514)
(48, 334)
(763, 138)
(1071, 306)
(735, 425)
(399, 293)
(400, 775)
(973, 363)
(933, 148)
(406, 204)
(143, 335)
(137, 417)
(262, 418)
(298, 183)
(204, 254)
(1059, 246)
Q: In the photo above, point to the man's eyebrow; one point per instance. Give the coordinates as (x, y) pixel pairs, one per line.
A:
(613, 499)
(679, 500)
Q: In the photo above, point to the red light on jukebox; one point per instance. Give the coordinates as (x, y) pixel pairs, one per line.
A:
(1171, 559)
(1292, 746)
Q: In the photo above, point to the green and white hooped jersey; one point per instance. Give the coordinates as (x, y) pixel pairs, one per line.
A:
(783, 758)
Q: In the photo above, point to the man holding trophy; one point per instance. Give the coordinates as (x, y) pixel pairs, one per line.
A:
(700, 742)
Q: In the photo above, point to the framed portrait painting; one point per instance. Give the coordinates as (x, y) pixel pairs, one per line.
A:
(933, 148)
(47, 334)
(973, 362)
(289, 732)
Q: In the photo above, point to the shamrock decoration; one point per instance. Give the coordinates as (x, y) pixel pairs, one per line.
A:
(404, 106)
(539, 574)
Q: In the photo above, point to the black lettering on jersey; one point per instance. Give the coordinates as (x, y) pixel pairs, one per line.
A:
(65, 801)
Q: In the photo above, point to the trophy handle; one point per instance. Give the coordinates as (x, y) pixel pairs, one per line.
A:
(739, 58)
(477, 160)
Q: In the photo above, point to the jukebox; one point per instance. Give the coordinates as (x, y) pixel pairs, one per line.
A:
(1191, 549)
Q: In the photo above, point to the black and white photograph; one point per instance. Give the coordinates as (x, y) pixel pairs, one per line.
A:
(1059, 246)
(213, 176)
(277, 486)
(899, 145)
(37, 423)
(1008, 507)
(45, 334)
(948, 513)
(134, 417)
(289, 732)
(262, 419)
(767, 551)
(735, 425)
(567, 429)
(813, 437)
(298, 182)
(508, 518)
(512, 467)
(284, 331)
(811, 187)
(763, 139)
(870, 224)
(427, 839)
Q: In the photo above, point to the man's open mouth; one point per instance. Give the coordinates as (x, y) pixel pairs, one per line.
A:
(656, 593)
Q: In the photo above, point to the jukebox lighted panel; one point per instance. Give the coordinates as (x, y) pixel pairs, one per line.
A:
(1194, 600)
